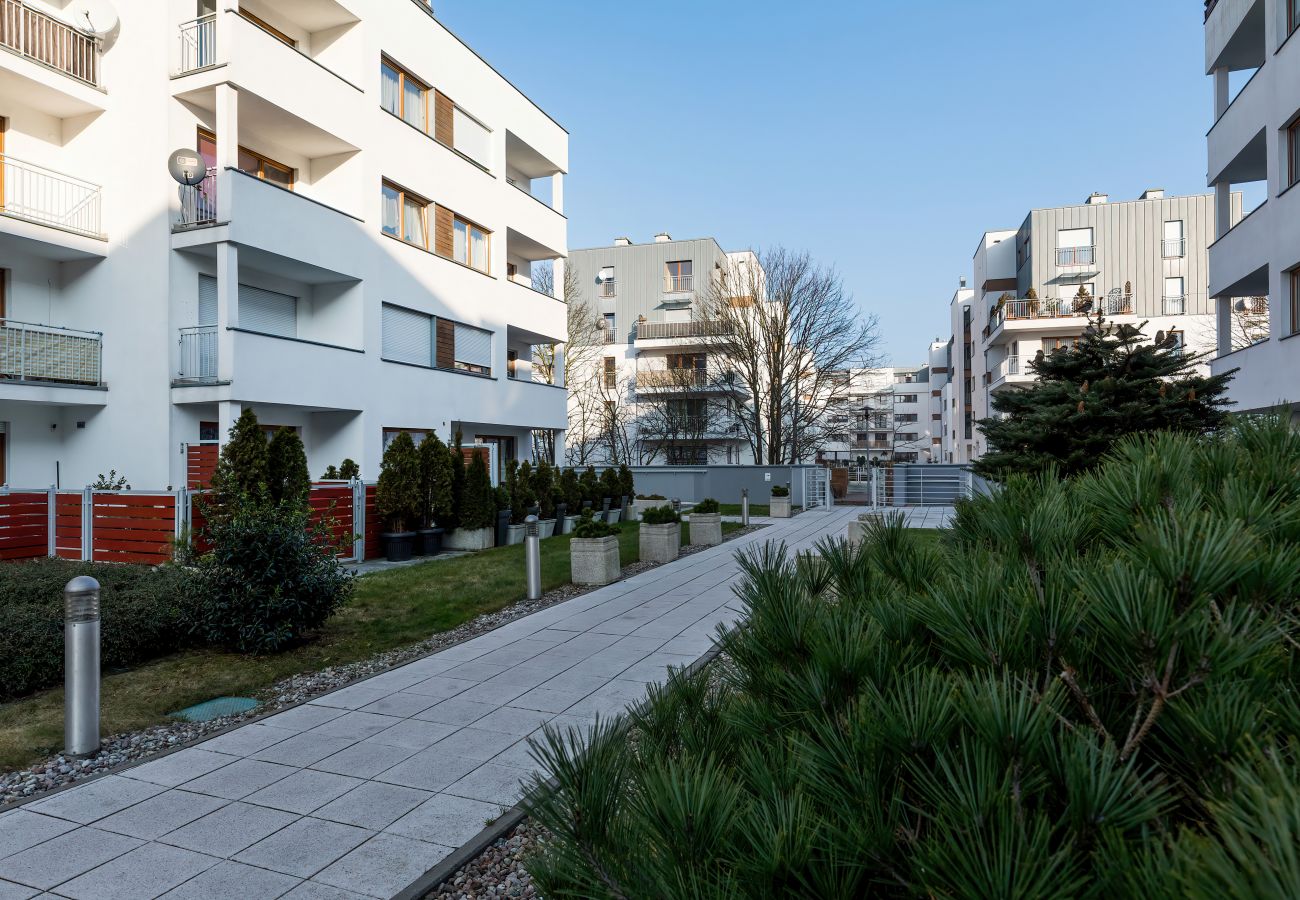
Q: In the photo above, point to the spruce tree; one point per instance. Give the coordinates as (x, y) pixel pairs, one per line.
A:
(435, 480)
(398, 493)
(478, 510)
(287, 478)
(1112, 383)
(241, 475)
(457, 461)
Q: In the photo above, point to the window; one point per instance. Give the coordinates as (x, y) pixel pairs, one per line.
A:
(907, 436)
(1051, 345)
(611, 333)
(678, 276)
(405, 215)
(417, 435)
(1072, 290)
(265, 168)
(697, 361)
(1174, 298)
(1172, 244)
(610, 375)
(606, 281)
(1293, 149)
(1179, 341)
(1074, 247)
(470, 244)
(512, 358)
(403, 95)
(473, 351)
(906, 418)
(880, 437)
(409, 336)
(905, 398)
(1294, 325)
(1292, 16)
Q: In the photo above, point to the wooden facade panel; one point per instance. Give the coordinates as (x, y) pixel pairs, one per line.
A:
(445, 344)
(444, 228)
(443, 119)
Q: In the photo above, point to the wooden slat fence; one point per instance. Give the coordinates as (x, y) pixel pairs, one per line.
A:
(130, 527)
(24, 524)
(67, 525)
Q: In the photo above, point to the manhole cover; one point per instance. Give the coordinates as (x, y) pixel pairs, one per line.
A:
(215, 709)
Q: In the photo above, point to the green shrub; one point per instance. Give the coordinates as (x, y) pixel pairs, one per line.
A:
(287, 478)
(544, 488)
(523, 496)
(457, 482)
(660, 515)
(706, 506)
(588, 526)
(611, 485)
(501, 500)
(571, 490)
(397, 496)
(780, 490)
(1086, 689)
(331, 473)
(651, 497)
(479, 510)
(590, 485)
(349, 469)
(435, 481)
(145, 613)
(241, 475)
(627, 484)
(270, 577)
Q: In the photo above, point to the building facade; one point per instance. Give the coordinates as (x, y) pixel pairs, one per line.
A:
(355, 260)
(889, 416)
(1255, 140)
(1135, 261)
(656, 391)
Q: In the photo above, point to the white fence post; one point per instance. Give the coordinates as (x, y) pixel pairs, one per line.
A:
(51, 522)
(87, 524)
(358, 520)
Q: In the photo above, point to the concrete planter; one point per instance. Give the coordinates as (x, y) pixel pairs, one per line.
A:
(468, 539)
(545, 527)
(570, 523)
(706, 529)
(779, 507)
(594, 560)
(639, 506)
(612, 516)
(660, 543)
(857, 531)
(515, 534)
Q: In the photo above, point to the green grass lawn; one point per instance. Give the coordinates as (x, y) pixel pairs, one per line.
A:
(388, 609)
(733, 509)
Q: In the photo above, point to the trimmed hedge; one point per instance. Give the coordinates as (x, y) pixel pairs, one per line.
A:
(145, 614)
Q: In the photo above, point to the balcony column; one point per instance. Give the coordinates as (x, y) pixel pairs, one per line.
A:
(1220, 92)
(227, 309)
(227, 146)
(1222, 208)
(557, 277)
(557, 376)
(557, 192)
(228, 412)
(1223, 324)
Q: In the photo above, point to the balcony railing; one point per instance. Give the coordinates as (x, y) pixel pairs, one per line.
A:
(199, 203)
(38, 194)
(1172, 248)
(1059, 308)
(698, 328)
(44, 353)
(198, 39)
(1175, 306)
(1076, 256)
(1008, 366)
(678, 284)
(608, 335)
(671, 378)
(44, 39)
(197, 363)
(608, 288)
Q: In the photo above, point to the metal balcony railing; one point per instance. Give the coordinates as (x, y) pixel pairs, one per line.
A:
(608, 288)
(1175, 306)
(1172, 248)
(48, 41)
(698, 328)
(608, 335)
(1008, 366)
(198, 43)
(197, 362)
(30, 352)
(677, 284)
(671, 378)
(199, 203)
(1076, 256)
(47, 197)
(1059, 308)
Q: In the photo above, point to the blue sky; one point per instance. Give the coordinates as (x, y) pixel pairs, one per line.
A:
(882, 137)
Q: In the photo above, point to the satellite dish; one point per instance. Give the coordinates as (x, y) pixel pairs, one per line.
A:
(187, 167)
(94, 17)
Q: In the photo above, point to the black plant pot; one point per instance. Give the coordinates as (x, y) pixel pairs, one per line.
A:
(561, 509)
(398, 545)
(503, 526)
(429, 542)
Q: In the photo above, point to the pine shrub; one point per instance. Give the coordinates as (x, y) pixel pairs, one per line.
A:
(241, 475)
(397, 495)
(611, 485)
(590, 484)
(706, 506)
(478, 510)
(1087, 688)
(588, 526)
(544, 489)
(435, 481)
(660, 515)
(571, 490)
(287, 478)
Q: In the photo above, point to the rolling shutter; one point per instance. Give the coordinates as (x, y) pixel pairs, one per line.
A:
(473, 346)
(446, 358)
(472, 139)
(207, 300)
(268, 311)
(407, 336)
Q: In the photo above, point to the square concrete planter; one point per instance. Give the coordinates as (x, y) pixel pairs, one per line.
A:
(857, 530)
(545, 527)
(640, 506)
(468, 539)
(706, 529)
(570, 522)
(612, 516)
(779, 507)
(594, 560)
(515, 534)
(660, 543)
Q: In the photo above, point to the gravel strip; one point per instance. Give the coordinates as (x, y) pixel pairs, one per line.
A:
(497, 872)
(127, 747)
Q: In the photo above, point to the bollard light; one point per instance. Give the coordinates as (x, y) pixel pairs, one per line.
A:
(677, 504)
(533, 557)
(81, 666)
(744, 506)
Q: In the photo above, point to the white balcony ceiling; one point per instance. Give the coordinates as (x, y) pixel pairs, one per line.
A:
(525, 159)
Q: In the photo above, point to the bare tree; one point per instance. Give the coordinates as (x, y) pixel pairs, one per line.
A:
(789, 331)
(1249, 321)
(678, 408)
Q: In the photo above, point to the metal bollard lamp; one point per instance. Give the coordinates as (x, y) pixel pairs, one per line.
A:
(533, 557)
(81, 666)
(744, 506)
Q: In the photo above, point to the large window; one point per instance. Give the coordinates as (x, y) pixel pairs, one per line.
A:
(678, 276)
(405, 215)
(1172, 244)
(1293, 151)
(472, 245)
(1074, 247)
(409, 336)
(250, 161)
(404, 95)
(610, 373)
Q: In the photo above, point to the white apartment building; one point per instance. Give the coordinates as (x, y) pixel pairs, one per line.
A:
(1136, 261)
(1255, 139)
(657, 381)
(890, 416)
(356, 261)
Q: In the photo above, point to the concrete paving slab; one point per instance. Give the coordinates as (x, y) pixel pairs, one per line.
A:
(96, 799)
(146, 871)
(239, 779)
(62, 858)
(230, 829)
(446, 819)
(383, 865)
(160, 814)
(232, 879)
(373, 805)
(304, 791)
(304, 847)
(22, 828)
(179, 767)
(366, 759)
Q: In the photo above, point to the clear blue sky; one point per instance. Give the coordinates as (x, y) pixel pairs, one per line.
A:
(882, 137)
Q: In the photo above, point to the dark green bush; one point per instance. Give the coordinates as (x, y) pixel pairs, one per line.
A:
(544, 488)
(349, 469)
(706, 506)
(660, 515)
(780, 490)
(287, 478)
(571, 490)
(651, 497)
(145, 614)
(1088, 688)
(590, 484)
(478, 510)
(611, 485)
(271, 576)
(398, 495)
(627, 484)
(589, 527)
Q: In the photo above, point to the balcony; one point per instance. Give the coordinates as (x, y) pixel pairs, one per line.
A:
(45, 354)
(1174, 305)
(45, 40)
(679, 284)
(1009, 371)
(1076, 257)
(1173, 249)
(608, 335)
(45, 197)
(197, 361)
(1113, 304)
(700, 328)
(198, 44)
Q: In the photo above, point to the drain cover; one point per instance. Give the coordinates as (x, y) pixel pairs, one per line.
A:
(215, 709)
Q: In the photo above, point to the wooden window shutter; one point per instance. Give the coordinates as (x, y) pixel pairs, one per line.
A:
(443, 129)
(443, 231)
(445, 350)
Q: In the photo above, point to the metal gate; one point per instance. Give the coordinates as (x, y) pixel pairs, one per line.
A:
(816, 488)
(919, 485)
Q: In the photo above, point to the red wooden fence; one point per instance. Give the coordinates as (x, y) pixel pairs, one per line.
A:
(67, 525)
(24, 525)
(200, 464)
(333, 503)
(136, 528)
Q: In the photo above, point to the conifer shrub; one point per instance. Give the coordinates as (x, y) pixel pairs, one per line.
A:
(588, 526)
(571, 490)
(590, 485)
(706, 506)
(398, 494)
(780, 490)
(1087, 688)
(478, 509)
(242, 473)
(660, 515)
(287, 478)
(611, 485)
(544, 489)
(626, 481)
(435, 481)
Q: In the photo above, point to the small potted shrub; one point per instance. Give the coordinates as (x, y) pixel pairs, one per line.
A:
(661, 534)
(435, 494)
(517, 491)
(476, 510)
(397, 496)
(593, 552)
(642, 502)
(544, 490)
(706, 523)
(570, 491)
(611, 490)
(780, 503)
(590, 487)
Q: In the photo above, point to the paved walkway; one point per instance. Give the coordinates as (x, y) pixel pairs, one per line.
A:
(360, 792)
